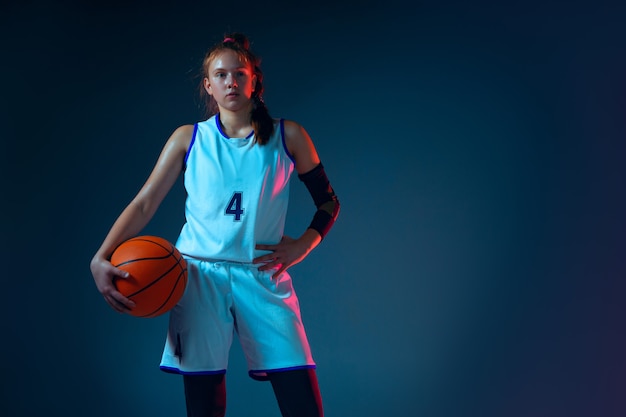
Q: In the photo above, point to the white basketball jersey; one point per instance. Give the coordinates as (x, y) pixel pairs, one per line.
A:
(237, 193)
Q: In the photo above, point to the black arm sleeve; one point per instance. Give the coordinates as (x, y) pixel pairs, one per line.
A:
(324, 198)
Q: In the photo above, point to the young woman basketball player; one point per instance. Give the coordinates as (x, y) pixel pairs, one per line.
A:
(236, 166)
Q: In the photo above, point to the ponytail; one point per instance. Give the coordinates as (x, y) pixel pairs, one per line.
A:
(260, 117)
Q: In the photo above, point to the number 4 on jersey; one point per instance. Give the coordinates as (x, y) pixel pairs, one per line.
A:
(234, 206)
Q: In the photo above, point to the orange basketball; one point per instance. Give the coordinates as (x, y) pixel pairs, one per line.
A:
(158, 274)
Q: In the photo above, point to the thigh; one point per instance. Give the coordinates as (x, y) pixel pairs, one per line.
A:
(205, 395)
(297, 393)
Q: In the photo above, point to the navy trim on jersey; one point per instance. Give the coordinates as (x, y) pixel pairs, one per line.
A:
(171, 370)
(219, 127)
(193, 139)
(282, 137)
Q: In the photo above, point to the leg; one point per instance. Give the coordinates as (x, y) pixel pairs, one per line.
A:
(205, 395)
(297, 393)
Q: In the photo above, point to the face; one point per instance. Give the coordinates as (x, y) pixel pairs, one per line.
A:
(230, 81)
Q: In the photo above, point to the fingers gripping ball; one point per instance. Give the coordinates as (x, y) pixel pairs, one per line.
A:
(158, 274)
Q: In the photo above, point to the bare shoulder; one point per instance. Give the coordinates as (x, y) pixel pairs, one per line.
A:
(181, 137)
(168, 166)
(300, 145)
(292, 129)
(175, 149)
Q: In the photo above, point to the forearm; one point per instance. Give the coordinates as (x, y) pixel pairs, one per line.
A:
(130, 222)
(310, 239)
(324, 198)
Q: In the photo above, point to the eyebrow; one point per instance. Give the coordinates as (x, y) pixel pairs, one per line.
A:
(235, 69)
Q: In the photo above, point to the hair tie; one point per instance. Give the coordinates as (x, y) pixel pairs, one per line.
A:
(228, 40)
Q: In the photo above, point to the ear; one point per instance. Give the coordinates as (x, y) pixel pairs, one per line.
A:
(254, 82)
(207, 86)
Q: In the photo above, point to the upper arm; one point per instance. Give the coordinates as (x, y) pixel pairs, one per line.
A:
(166, 170)
(300, 146)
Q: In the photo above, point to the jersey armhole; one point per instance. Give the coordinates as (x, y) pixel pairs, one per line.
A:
(193, 139)
(282, 136)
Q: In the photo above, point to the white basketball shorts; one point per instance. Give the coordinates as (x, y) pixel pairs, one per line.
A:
(222, 298)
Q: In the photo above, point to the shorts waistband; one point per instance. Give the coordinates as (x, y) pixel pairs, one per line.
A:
(220, 261)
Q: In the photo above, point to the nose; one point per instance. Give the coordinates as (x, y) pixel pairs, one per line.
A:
(231, 81)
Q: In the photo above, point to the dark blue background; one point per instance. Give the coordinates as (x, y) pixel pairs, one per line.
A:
(477, 266)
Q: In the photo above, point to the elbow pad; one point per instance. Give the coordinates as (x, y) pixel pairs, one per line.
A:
(324, 198)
